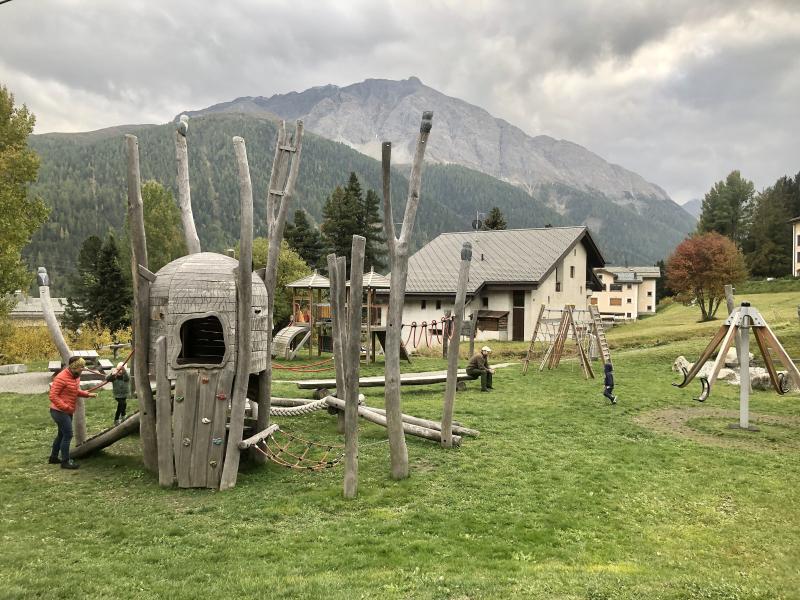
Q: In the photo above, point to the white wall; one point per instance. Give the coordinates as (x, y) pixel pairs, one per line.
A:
(796, 249)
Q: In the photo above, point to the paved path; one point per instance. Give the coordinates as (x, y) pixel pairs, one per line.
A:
(25, 383)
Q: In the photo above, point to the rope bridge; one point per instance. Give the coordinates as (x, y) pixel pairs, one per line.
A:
(296, 452)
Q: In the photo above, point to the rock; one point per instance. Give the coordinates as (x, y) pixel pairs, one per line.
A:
(759, 379)
(732, 360)
(681, 363)
(12, 369)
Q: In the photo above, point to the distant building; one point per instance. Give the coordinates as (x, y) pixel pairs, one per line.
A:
(795, 246)
(27, 311)
(513, 272)
(627, 292)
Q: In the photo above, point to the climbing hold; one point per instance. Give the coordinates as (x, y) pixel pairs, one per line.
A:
(178, 398)
(205, 420)
(204, 380)
(217, 441)
(222, 396)
(213, 464)
(187, 441)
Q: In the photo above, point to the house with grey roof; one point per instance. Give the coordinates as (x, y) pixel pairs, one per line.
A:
(795, 223)
(27, 310)
(627, 292)
(513, 272)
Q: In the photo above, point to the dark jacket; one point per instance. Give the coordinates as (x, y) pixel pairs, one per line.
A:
(120, 384)
(479, 362)
(609, 382)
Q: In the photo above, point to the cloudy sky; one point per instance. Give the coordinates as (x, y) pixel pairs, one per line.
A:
(682, 92)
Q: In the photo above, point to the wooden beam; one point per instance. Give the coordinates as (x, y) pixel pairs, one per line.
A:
(184, 192)
(260, 436)
(430, 424)
(166, 461)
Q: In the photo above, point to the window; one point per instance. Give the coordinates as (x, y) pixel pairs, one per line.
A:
(628, 315)
(629, 286)
(558, 286)
(615, 301)
(422, 304)
(485, 301)
(572, 271)
(650, 294)
(615, 287)
(649, 309)
(629, 300)
(798, 239)
(798, 257)
(600, 277)
(202, 342)
(575, 252)
(438, 305)
(593, 301)
(580, 289)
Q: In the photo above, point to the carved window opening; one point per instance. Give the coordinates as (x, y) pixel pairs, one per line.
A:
(202, 342)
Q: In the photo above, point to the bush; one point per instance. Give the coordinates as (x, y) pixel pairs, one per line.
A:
(27, 344)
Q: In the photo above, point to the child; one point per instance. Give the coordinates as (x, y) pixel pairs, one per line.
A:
(608, 392)
(120, 379)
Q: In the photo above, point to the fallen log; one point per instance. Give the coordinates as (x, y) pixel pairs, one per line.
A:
(435, 425)
(107, 437)
(378, 419)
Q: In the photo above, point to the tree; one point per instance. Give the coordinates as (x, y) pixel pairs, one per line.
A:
(291, 267)
(99, 293)
(495, 220)
(769, 246)
(700, 268)
(162, 226)
(20, 214)
(662, 287)
(375, 249)
(305, 239)
(727, 208)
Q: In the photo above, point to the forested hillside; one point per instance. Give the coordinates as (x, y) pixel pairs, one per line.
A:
(82, 177)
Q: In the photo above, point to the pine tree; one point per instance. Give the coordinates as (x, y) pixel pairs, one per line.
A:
(341, 222)
(727, 208)
(495, 220)
(305, 239)
(82, 303)
(769, 245)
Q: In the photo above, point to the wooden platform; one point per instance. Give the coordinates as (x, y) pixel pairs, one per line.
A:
(379, 381)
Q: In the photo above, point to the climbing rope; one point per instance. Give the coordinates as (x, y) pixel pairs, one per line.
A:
(294, 452)
(296, 411)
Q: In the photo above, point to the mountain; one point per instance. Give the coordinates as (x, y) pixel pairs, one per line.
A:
(694, 207)
(364, 114)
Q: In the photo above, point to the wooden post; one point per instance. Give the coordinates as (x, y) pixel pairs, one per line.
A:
(452, 355)
(141, 313)
(244, 315)
(352, 366)
(166, 463)
(473, 326)
(79, 418)
(281, 186)
(370, 353)
(338, 332)
(398, 254)
(184, 193)
(448, 324)
(737, 340)
(743, 347)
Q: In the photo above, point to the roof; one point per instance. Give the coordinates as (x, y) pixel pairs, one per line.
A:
(315, 280)
(795, 220)
(509, 256)
(632, 274)
(375, 281)
(31, 308)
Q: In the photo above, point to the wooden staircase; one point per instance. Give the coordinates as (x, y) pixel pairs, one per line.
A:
(600, 334)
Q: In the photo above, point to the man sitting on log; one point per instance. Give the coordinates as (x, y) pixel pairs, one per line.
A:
(478, 366)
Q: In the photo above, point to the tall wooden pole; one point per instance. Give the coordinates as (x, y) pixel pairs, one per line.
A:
(166, 463)
(452, 355)
(244, 315)
(398, 253)
(141, 314)
(352, 367)
(338, 331)
(280, 192)
(184, 193)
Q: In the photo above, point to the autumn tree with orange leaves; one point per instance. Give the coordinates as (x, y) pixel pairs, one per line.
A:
(700, 268)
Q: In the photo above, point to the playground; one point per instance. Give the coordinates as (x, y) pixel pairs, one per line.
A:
(561, 496)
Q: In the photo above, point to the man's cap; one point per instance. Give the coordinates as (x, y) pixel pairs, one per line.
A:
(120, 365)
(486, 349)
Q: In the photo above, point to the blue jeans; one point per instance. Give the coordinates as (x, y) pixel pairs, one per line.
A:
(64, 437)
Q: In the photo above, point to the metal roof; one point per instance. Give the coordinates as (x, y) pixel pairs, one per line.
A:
(375, 281)
(620, 272)
(28, 307)
(511, 256)
(315, 280)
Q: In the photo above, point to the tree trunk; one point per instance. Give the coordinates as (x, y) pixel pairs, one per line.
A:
(353, 353)
(184, 193)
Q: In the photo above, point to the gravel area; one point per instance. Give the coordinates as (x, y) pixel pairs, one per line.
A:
(25, 383)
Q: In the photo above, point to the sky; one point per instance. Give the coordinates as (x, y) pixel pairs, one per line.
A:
(681, 92)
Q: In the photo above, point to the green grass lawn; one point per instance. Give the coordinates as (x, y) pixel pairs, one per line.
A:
(562, 496)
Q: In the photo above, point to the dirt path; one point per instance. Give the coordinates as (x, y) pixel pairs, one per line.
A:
(675, 422)
(25, 383)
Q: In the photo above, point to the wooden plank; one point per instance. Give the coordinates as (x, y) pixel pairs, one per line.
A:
(201, 441)
(380, 381)
(166, 464)
(190, 406)
(216, 451)
(177, 421)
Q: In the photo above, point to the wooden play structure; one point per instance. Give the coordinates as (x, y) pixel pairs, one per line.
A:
(738, 325)
(556, 326)
(308, 311)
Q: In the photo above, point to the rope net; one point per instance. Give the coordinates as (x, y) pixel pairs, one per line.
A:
(295, 452)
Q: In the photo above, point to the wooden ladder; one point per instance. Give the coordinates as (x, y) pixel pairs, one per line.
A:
(529, 353)
(600, 334)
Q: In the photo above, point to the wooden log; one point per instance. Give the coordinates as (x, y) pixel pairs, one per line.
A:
(452, 355)
(276, 222)
(107, 437)
(264, 403)
(352, 367)
(166, 462)
(338, 330)
(445, 337)
(244, 310)
(380, 380)
(184, 193)
(378, 419)
(398, 255)
(292, 401)
(430, 424)
(141, 313)
(255, 439)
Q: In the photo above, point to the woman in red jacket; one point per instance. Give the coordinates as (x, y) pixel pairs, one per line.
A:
(64, 392)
